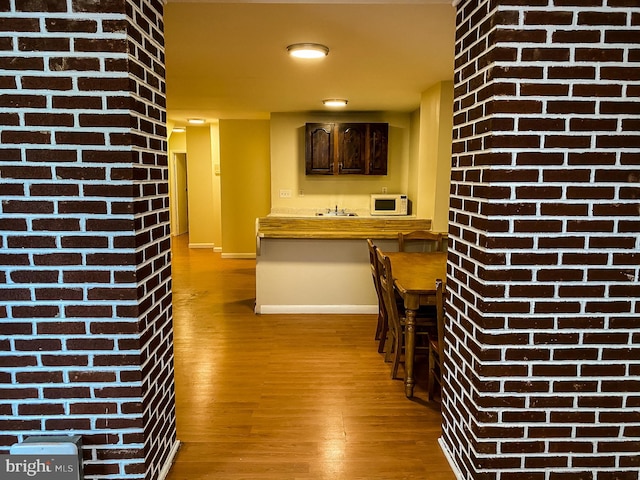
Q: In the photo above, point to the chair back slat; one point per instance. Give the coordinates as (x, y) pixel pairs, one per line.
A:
(373, 262)
(436, 345)
(385, 276)
(427, 241)
(440, 315)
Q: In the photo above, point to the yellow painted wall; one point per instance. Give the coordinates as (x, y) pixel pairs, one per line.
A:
(200, 187)
(245, 180)
(434, 154)
(414, 157)
(443, 182)
(325, 191)
(258, 158)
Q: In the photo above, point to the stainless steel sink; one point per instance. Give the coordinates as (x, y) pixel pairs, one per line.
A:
(339, 213)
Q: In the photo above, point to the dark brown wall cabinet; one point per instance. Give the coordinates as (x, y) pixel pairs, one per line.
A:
(346, 148)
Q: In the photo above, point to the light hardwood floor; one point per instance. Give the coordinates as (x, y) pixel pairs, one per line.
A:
(286, 397)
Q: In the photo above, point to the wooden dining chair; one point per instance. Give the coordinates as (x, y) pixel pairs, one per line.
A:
(425, 323)
(424, 240)
(436, 345)
(382, 326)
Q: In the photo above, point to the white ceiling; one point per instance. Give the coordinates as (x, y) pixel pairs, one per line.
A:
(229, 59)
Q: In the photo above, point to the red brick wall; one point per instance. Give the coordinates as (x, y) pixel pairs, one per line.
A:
(543, 376)
(85, 293)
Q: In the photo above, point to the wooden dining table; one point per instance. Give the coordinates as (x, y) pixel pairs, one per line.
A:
(414, 278)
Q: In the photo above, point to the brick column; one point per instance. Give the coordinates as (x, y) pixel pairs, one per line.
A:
(542, 373)
(85, 280)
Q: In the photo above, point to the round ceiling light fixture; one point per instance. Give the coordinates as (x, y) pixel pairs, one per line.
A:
(335, 102)
(308, 50)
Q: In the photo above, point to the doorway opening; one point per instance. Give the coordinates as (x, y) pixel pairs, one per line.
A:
(180, 199)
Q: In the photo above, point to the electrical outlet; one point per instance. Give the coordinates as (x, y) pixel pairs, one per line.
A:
(384, 189)
(285, 193)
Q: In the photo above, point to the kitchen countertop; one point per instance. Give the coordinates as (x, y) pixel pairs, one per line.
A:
(338, 227)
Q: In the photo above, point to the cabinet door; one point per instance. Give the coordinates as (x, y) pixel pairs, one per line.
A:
(319, 157)
(351, 149)
(377, 155)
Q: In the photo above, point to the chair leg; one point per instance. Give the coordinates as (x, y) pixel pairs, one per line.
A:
(391, 340)
(432, 372)
(384, 332)
(379, 327)
(397, 351)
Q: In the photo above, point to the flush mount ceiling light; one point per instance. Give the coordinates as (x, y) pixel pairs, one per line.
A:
(179, 129)
(308, 50)
(335, 102)
(196, 121)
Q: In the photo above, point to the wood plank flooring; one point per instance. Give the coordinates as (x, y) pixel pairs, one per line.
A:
(286, 397)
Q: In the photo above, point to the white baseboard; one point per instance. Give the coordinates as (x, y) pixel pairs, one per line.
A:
(164, 471)
(454, 468)
(201, 245)
(238, 255)
(318, 309)
(217, 249)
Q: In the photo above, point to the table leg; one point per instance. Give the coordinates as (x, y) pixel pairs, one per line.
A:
(409, 351)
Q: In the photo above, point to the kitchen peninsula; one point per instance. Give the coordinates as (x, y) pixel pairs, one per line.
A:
(321, 264)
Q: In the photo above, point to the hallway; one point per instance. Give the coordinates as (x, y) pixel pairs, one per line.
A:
(286, 397)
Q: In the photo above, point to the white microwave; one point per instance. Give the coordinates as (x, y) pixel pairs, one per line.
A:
(389, 204)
